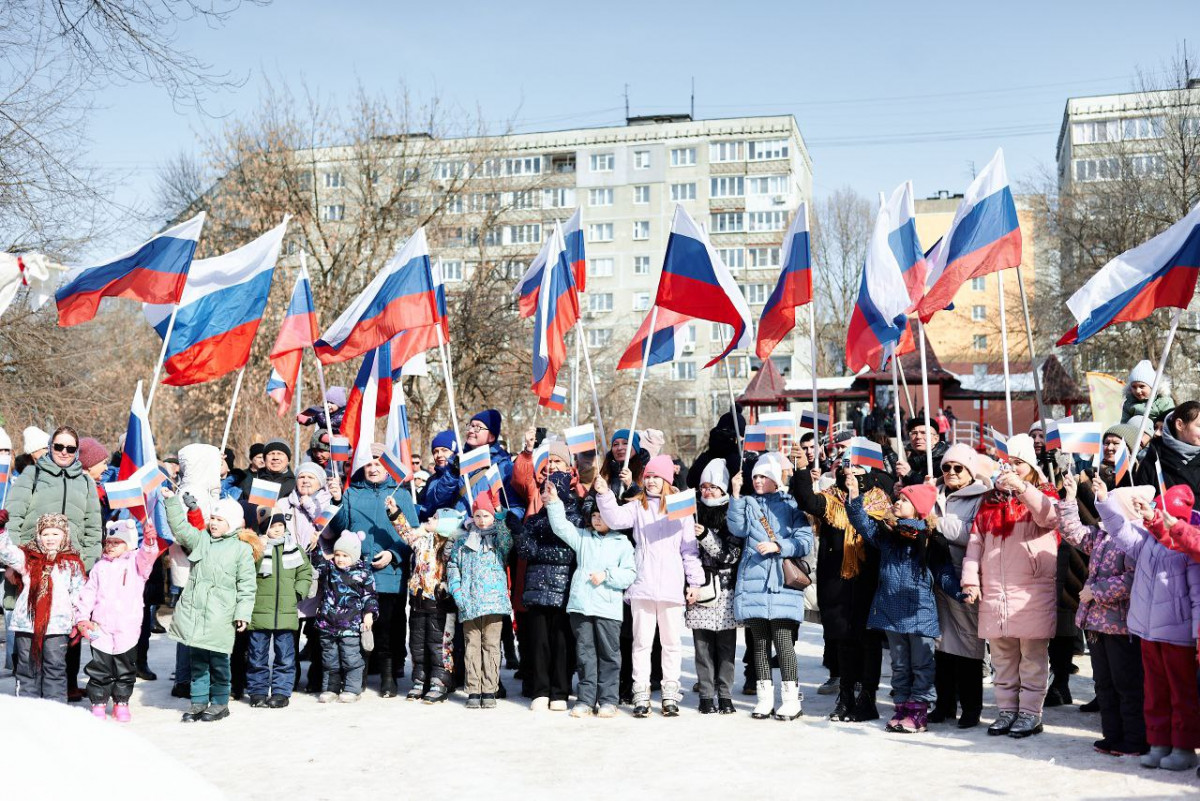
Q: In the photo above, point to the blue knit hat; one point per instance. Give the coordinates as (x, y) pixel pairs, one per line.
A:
(445, 440)
(635, 443)
(490, 418)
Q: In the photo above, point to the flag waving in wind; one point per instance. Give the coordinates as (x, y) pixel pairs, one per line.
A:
(697, 283)
(529, 285)
(138, 458)
(371, 398)
(666, 344)
(219, 311)
(154, 272)
(413, 342)
(557, 312)
(1156, 274)
(298, 331)
(397, 454)
(984, 237)
(793, 289)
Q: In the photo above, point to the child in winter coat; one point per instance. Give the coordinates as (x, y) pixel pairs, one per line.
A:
(284, 577)
(52, 576)
(348, 606)
(667, 558)
(904, 607)
(477, 580)
(605, 568)
(110, 610)
(428, 606)
(1137, 395)
(714, 627)
(217, 600)
(1104, 611)
(1164, 610)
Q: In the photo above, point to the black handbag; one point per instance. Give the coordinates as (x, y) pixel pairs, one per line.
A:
(797, 575)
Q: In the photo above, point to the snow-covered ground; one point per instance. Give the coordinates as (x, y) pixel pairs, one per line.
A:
(391, 748)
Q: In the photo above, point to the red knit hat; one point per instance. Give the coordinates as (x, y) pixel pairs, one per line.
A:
(1177, 502)
(91, 452)
(485, 501)
(922, 497)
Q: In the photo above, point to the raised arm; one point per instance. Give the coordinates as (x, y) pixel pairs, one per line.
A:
(1073, 529)
(10, 554)
(1041, 507)
(861, 521)
(562, 528)
(615, 516)
(802, 490)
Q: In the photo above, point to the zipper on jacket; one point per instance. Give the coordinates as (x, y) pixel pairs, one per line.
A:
(276, 570)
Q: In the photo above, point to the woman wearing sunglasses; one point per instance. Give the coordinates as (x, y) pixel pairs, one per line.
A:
(960, 652)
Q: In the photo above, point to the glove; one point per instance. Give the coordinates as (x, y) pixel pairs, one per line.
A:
(189, 501)
(3, 518)
(452, 465)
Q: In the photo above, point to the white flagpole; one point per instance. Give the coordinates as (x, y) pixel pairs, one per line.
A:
(1162, 363)
(637, 399)
(448, 375)
(1004, 348)
(320, 378)
(162, 357)
(237, 389)
(812, 346)
(575, 383)
(925, 393)
(896, 408)
(737, 429)
(1037, 379)
(587, 361)
(299, 406)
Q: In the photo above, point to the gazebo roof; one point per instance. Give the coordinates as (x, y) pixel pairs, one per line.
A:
(766, 388)
(910, 363)
(1057, 385)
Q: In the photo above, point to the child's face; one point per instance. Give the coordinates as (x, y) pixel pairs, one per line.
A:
(483, 518)
(342, 560)
(50, 540)
(653, 484)
(217, 527)
(276, 531)
(903, 507)
(598, 524)
(764, 485)
(1139, 390)
(114, 547)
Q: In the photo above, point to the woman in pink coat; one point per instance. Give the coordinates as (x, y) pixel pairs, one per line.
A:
(667, 557)
(1010, 569)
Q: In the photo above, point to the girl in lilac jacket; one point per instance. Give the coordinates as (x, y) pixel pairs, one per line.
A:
(110, 609)
(667, 557)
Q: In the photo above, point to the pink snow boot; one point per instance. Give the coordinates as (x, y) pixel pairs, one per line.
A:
(917, 719)
(121, 713)
(901, 713)
(99, 711)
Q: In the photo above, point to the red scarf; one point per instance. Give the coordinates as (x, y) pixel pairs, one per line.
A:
(1001, 511)
(40, 568)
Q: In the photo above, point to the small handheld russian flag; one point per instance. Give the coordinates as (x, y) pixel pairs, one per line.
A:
(818, 422)
(324, 516)
(756, 438)
(1081, 438)
(495, 480)
(474, 460)
(1053, 437)
(263, 492)
(5, 467)
(1000, 443)
(540, 457)
(557, 400)
(681, 505)
(150, 478)
(125, 494)
(865, 453)
(581, 439)
(1121, 466)
(339, 449)
(778, 423)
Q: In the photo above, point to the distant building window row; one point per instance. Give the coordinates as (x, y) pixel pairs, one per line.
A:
(1096, 131)
(754, 150)
(1111, 168)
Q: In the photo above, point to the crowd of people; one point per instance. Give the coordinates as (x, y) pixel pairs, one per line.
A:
(987, 567)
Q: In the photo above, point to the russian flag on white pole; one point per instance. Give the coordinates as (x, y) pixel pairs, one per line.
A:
(139, 458)
(377, 367)
(397, 454)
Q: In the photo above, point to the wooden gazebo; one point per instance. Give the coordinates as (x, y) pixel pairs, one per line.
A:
(766, 389)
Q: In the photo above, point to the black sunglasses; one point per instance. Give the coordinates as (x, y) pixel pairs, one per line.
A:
(953, 468)
(58, 446)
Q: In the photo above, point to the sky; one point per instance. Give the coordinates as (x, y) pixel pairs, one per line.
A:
(883, 92)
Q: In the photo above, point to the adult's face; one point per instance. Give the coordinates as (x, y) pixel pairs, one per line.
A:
(921, 438)
(321, 457)
(416, 461)
(1112, 444)
(810, 450)
(307, 484)
(374, 472)
(620, 448)
(441, 456)
(557, 465)
(478, 435)
(258, 462)
(277, 461)
(1188, 432)
(1039, 440)
(954, 476)
(63, 449)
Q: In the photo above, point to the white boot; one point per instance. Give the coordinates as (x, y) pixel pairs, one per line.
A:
(766, 700)
(790, 708)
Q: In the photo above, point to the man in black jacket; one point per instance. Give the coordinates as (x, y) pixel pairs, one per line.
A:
(920, 438)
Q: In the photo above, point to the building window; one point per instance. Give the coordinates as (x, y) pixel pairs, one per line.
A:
(683, 371)
(765, 149)
(721, 333)
(600, 301)
(683, 156)
(641, 265)
(727, 151)
(641, 229)
(527, 165)
(768, 220)
(599, 337)
(641, 301)
(979, 284)
(483, 201)
(733, 366)
(600, 232)
(523, 200)
(335, 212)
(685, 407)
(1106, 169)
(334, 180)
(453, 204)
(452, 271)
(641, 159)
(449, 170)
(681, 192)
(728, 222)
(409, 174)
(978, 313)
(529, 234)
(727, 186)
(641, 195)
(1142, 128)
(600, 197)
(769, 185)
(979, 342)
(734, 258)
(755, 293)
(600, 268)
(764, 257)
(602, 162)
(1144, 166)
(558, 198)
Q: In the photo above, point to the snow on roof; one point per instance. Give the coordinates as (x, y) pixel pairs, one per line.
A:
(1019, 382)
(835, 383)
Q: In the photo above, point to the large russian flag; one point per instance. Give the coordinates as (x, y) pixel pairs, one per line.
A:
(397, 458)
(557, 312)
(299, 330)
(576, 251)
(878, 322)
(413, 342)
(666, 345)
(154, 272)
(372, 390)
(527, 288)
(219, 312)
(697, 283)
(401, 296)
(139, 457)
(794, 287)
(984, 237)
(1158, 273)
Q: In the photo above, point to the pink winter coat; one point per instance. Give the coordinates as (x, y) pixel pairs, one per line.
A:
(665, 551)
(112, 598)
(1016, 574)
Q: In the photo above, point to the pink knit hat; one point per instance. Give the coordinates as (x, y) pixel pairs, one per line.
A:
(660, 466)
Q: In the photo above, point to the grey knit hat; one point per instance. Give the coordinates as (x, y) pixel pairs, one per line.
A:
(350, 543)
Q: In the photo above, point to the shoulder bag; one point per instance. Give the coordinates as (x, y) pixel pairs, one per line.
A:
(797, 575)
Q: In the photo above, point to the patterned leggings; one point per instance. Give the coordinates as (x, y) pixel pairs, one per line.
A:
(780, 632)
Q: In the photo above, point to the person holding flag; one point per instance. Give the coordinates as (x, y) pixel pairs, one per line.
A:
(1176, 453)
(277, 455)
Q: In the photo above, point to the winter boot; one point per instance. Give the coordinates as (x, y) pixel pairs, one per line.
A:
(121, 712)
(864, 708)
(436, 693)
(1026, 724)
(765, 690)
(917, 719)
(707, 706)
(196, 710)
(100, 711)
(1157, 754)
(843, 709)
(214, 713)
(725, 706)
(487, 700)
(1179, 759)
(387, 682)
(792, 701)
(670, 699)
(641, 700)
(1004, 723)
(901, 712)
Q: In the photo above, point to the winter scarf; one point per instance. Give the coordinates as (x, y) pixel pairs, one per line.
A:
(40, 567)
(713, 517)
(1001, 511)
(1177, 447)
(481, 540)
(877, 506)
(292, 558)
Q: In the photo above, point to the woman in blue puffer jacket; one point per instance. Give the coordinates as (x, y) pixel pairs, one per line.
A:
(774, 529)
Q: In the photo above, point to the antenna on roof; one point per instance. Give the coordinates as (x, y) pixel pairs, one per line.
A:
(693, 114)
(626, 101)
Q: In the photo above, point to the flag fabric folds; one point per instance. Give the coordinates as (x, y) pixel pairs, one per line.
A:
(1081, 438)
(154, 272)
(529, 285)
(794, 287)
(475, 460)
(557, 312)
(397, 454)
(755, 438)
(984, 237)
(557, 400)
(581, 439)
(817, 422)
(125, 494)
(666, 345)
(697, 283)
(780, 424)
(263, 492)
(298, 331)
(139, 459)
(865, 453)
(401, 296)
(370, 398)
(339, 448)
(413, 342)
(681, 505)
(1156, 274)
(576, 250)
(1106, 395)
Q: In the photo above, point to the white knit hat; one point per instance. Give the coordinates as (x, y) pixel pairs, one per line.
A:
(35, 439)
(717, 474)
(964, 454)
(1020, 446)
(769, 468)
(231, 512)
(5, 441)
(124, 530)
(1143, 372)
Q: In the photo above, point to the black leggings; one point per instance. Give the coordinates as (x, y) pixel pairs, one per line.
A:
(782, 633)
